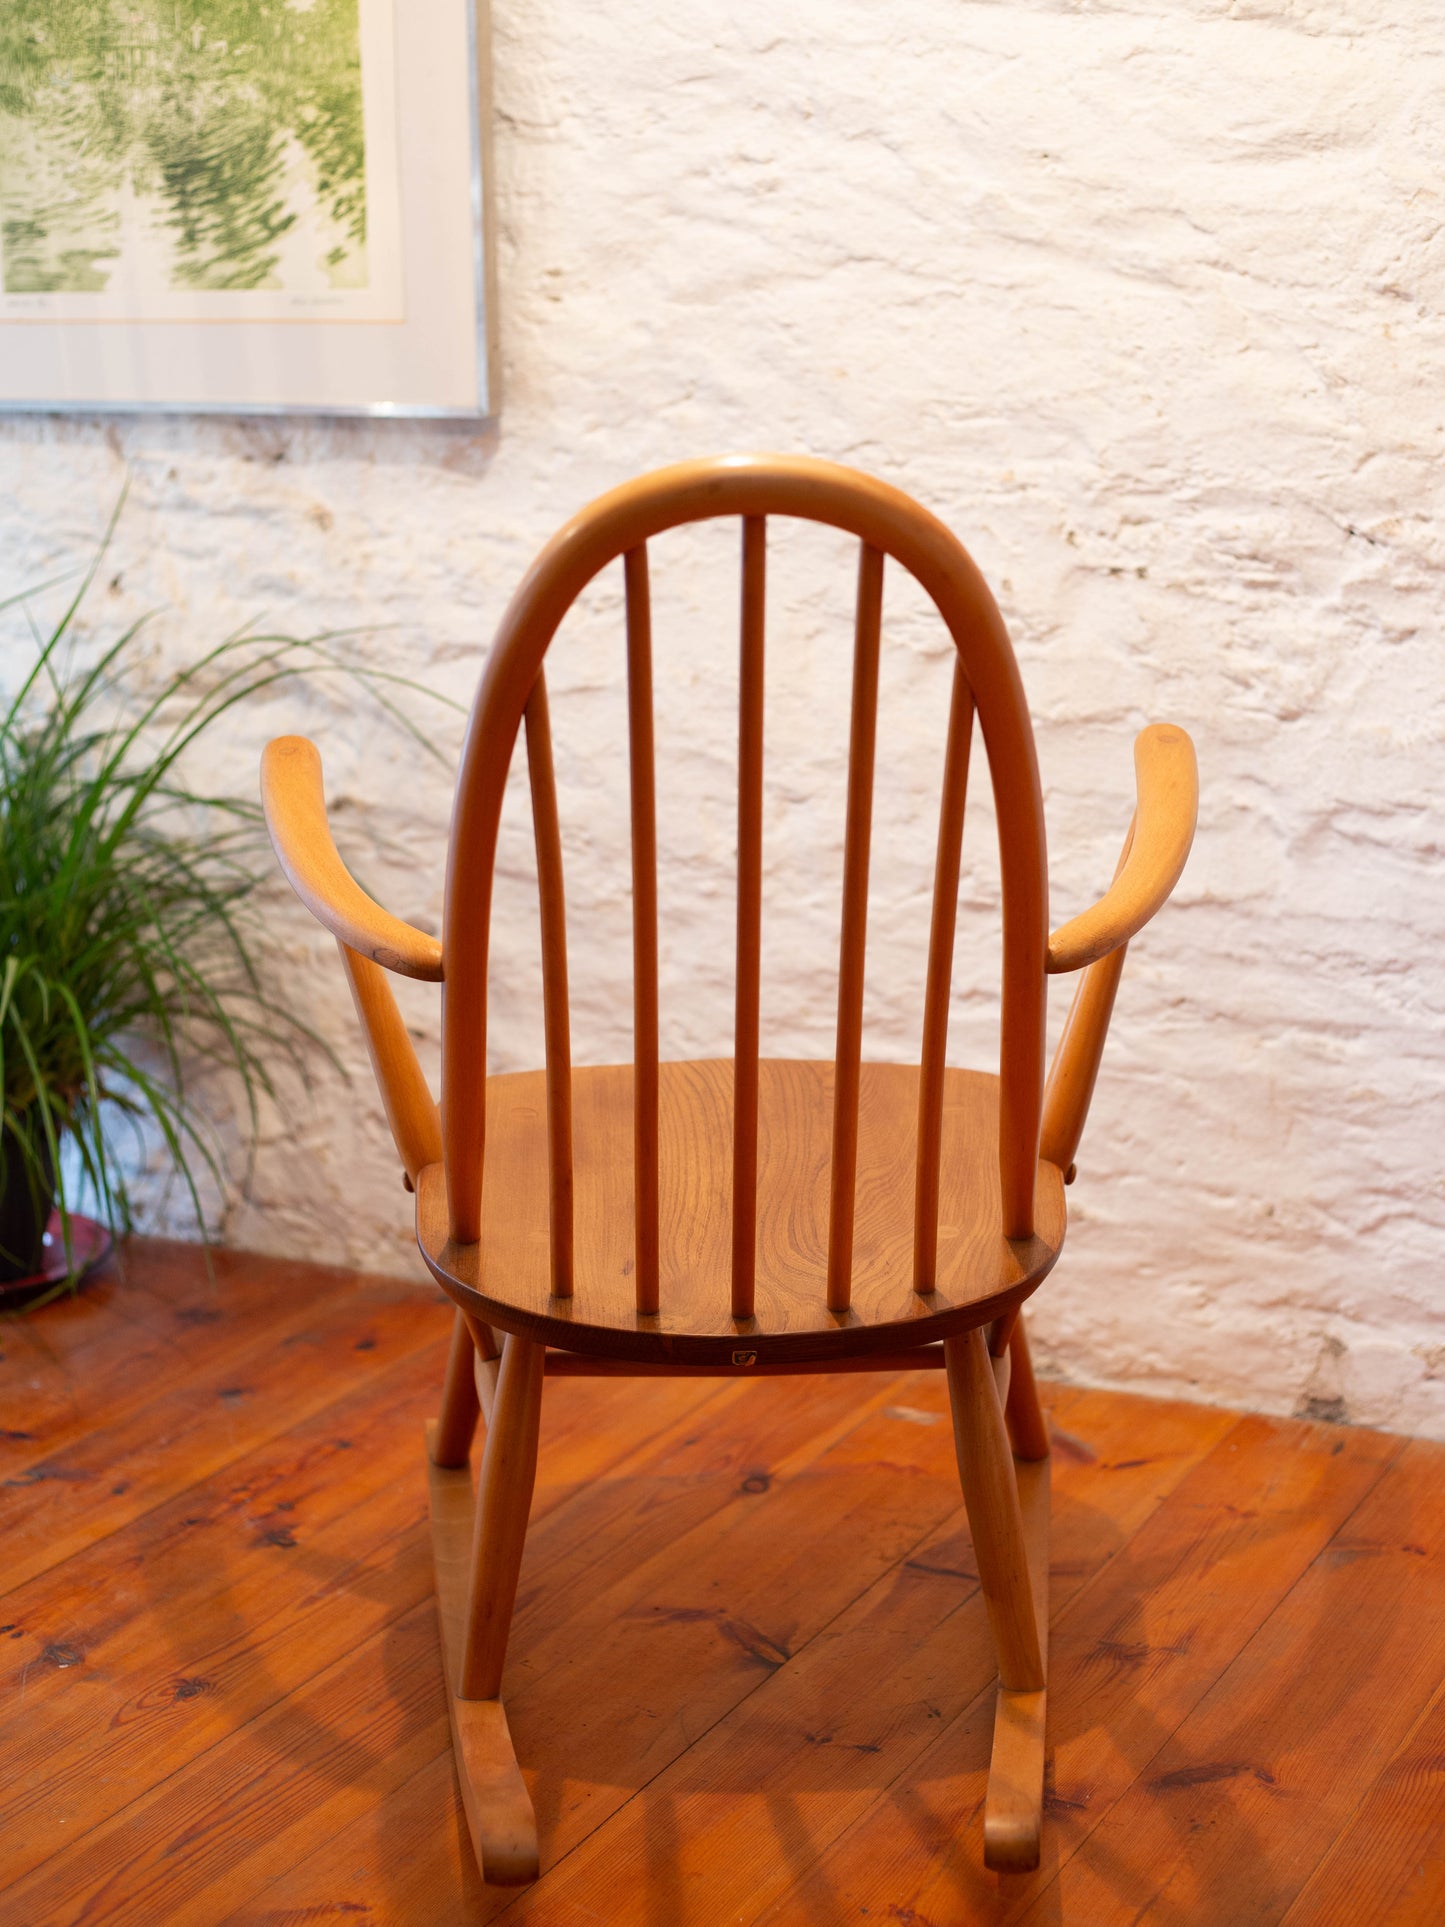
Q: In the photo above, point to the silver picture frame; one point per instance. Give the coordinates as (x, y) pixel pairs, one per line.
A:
(411, 379)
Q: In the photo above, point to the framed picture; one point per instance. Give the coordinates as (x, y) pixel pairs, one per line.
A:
(245, 206)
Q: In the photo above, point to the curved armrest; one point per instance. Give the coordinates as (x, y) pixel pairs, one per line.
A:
(295, 806)
(1167, 780)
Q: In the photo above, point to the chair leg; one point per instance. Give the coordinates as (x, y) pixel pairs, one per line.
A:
(1028, 1428)
(478, 1551)
(509, 1471)
(451, 1441)
(487, 1363)
(1008, 1514)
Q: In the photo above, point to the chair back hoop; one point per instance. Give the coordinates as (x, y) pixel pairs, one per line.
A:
(986, 680)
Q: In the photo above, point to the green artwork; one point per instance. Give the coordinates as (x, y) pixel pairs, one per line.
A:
(162, 153)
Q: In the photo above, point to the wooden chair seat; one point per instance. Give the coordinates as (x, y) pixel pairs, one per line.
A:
(505, 1278)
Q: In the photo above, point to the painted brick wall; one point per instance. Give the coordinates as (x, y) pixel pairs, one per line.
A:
(1145, 300)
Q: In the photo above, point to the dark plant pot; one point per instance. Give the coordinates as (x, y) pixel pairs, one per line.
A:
(26, 1200)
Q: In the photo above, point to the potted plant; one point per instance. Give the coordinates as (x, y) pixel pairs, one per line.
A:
(128, 935)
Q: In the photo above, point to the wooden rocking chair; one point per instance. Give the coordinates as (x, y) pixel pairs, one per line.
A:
(745, 1216)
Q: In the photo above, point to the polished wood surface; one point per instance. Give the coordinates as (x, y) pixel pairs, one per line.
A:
(295, 805)
(449, 1439)
(1008, 1521)
(642, 763)
(1027, 1433)
(504, 1498)
(747, 996)
(979, 1272)
(745, 1239)
(620, 524)
(1080, 1052)
(938, 986)
(500, 1820)
(556, 1011)
(1013, 1809)
(912, 1358)
(1167, 779)
(411, 1111)
(224, 1703)
(985, 1466)
(853, 940)
(1080, 1049)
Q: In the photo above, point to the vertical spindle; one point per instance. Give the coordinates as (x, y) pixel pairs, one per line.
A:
(644, 923)
(546, 827)
(854, 936)
(750, 900)
(940, 978)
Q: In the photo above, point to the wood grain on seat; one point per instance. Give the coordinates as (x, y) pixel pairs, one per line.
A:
(506, 1277)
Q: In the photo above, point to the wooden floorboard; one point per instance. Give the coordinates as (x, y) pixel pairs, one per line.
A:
(160, 1318)
(1240, 1804)
(750, 1677)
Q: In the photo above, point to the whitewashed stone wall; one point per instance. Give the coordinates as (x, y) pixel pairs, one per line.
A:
(1145, 300)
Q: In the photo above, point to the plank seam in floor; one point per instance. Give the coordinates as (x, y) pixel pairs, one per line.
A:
(186, 1376)
(224, 1738)
(792, 1464)
(1402, 1745)
(636, 1449)
(926, 1742)
(799, 1460)
(1251, 1544)
(758, 1685)
(263, 1439)
(317, 1417)
(1096, 1820)
(984, 1698)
